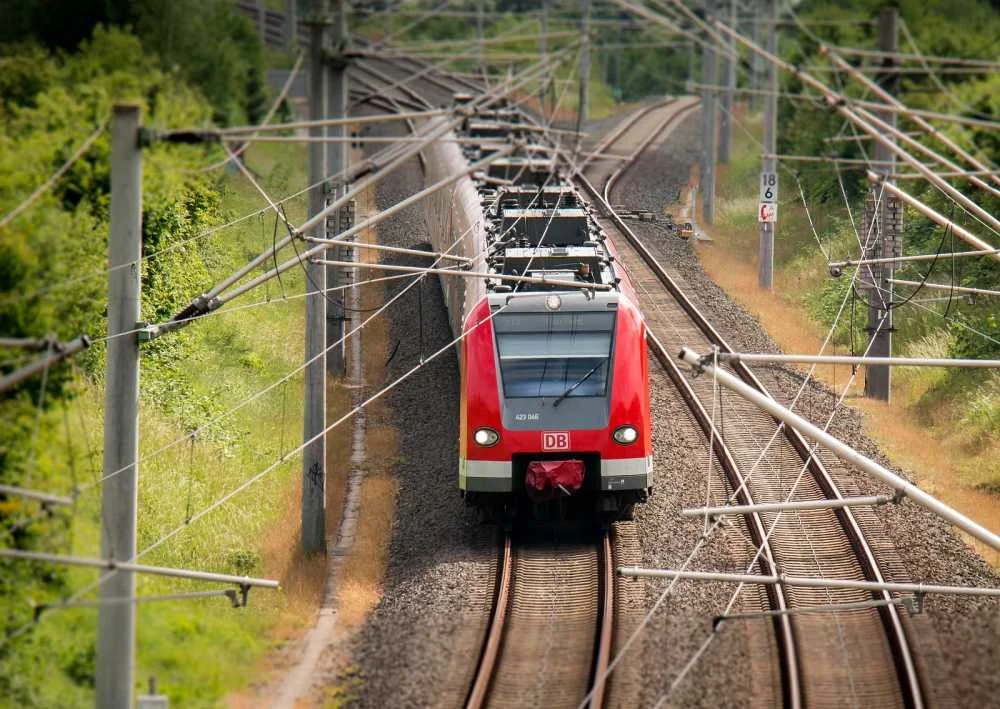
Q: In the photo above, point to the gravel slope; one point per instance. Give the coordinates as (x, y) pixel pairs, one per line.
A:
(419, 646)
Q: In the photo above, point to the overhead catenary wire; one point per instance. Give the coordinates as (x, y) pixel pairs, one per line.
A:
(471, 54)
(870, 125)
(192, 518)
(648, 14)
(271, 386)
(812, 98)
(267, 117)
(459, 273)
(941, 86)
(47, 185)
(200, 303)
(903, 56)
(916, 118)
(212, 298)
(244, 132)
(502, 39)
(704, 537)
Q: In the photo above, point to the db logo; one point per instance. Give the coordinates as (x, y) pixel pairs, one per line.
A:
(555, 440)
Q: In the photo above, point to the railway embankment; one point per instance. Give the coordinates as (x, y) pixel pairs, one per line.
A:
(954, 638)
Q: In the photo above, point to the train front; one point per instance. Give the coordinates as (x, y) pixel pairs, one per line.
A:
(555, 409)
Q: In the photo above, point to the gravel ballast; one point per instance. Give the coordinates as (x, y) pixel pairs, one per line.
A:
(419, 646)
(956, 637)
(415, 648)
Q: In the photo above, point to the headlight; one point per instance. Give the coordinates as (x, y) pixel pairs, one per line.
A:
(625, 435)
(486, 437)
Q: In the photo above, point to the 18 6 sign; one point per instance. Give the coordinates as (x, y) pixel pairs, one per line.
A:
(769, 187)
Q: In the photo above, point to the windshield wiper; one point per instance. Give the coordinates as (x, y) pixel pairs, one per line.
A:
(580, 381)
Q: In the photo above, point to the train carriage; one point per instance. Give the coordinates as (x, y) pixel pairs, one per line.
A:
(555, 393)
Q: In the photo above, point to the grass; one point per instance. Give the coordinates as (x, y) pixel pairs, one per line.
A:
(199, 650)
(358, 584)
(942, 425)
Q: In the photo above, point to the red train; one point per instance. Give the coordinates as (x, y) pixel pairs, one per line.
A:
(555, 413)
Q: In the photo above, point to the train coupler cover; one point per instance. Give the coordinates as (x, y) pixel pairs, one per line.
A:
(551, 476)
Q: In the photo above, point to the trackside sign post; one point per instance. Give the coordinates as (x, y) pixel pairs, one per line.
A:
(767, 210)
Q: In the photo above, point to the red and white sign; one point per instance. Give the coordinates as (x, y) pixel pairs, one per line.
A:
(555, 440)
(767, 212)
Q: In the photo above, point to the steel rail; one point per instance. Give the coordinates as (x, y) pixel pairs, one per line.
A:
(606, 626)
(908, 678)
(777, 597)
(458, 81)
(494, 634)
(366, 68)
(619, 131)
(495, 638)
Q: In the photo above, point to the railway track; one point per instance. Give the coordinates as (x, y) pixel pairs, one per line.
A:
(549, 638)
(859, 656)
(547, 591)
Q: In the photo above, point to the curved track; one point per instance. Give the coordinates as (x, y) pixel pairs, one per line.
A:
(547, 591)
(550, 633)
(551, 629)
(860, 656)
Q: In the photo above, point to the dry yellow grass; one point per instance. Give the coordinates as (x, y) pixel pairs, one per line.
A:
(338, 452)
(785, 321)
(360, 587)
(361, 582)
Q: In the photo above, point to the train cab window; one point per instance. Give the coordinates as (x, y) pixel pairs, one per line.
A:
(555, 354)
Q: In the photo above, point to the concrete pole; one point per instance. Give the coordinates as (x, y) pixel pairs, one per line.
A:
(543, 50)
(616, 59)
(729, 77)
(119, 493)
(336, 162)
(314, 454)
(262, 21)
(690, 76)
(292, 26)
(765, 271)
(878, 377)
(755, 31)
(708, 156)
(581, 116)
(479, 32)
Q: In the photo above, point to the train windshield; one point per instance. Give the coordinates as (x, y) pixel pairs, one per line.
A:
(555, 354)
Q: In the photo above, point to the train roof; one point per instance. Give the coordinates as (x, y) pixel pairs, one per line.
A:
(543, 301)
